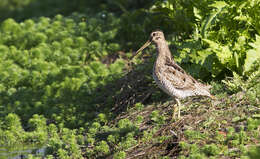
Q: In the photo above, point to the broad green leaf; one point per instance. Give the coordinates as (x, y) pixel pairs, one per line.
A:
(252, 55)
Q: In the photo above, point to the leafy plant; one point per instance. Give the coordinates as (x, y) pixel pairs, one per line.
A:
(219, 44)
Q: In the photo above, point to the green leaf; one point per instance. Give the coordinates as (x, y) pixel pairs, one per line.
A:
(252, 55)
(220, 6)
(196, 12)
(223, 53)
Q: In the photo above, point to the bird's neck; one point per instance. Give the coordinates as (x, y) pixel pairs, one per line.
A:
(163, 52)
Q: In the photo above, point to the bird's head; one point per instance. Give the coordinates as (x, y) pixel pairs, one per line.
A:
(156, 37)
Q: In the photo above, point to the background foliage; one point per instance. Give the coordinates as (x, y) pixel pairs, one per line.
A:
(66, 81)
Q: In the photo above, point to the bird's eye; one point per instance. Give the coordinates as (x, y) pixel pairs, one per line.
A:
(153, 34)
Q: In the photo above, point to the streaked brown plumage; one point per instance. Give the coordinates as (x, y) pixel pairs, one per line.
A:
(169, 76)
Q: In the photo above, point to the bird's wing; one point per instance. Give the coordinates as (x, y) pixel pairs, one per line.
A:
(178, 77)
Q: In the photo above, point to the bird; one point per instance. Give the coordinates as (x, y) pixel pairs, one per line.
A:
(169, 76)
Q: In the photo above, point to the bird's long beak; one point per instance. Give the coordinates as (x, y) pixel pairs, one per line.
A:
(143, 47)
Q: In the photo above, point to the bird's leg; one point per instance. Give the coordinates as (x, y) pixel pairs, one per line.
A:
(179, 107)
(173, 113)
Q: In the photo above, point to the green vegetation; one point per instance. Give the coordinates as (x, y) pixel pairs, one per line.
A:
(224, 39)
(67, 85)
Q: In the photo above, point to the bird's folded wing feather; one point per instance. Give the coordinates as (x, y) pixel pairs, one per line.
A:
(178, 77)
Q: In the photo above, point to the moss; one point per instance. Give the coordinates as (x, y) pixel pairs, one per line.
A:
(139, 119)
(102, 147)
(139, 106)
(211, 150)
(119, 155)
(157, 117)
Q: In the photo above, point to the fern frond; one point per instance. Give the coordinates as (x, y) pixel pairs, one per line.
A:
(220, 6)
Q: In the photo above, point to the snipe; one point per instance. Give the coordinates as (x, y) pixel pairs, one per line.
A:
(169, 76)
